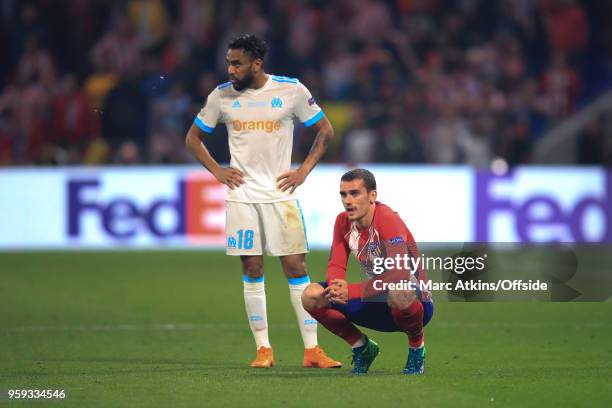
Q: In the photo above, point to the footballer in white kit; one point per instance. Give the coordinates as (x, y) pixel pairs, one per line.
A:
(263, 213)
(260, 129)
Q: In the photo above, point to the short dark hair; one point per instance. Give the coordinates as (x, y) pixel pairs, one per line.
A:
(250, 43)
(361, 174)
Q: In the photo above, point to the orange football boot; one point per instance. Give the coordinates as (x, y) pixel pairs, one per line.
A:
(316, 358)
(264, 358)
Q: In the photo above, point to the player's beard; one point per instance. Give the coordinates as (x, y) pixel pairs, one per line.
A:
(243, 83)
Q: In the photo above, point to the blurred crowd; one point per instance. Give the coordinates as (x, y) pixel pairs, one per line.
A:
(403, 81)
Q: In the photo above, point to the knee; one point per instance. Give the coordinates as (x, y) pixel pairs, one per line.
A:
(401, 299)
(253, 268)
(295, 269)
(313, 297)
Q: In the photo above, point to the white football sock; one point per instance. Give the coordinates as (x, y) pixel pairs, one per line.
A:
(255, 304)
(307, 323)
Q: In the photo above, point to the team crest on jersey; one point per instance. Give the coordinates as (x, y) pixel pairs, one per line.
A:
(236, 104)
(231, 242)
(311, 101)
(277, 102)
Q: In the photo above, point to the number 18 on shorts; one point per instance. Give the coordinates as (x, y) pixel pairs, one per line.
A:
(276, 229)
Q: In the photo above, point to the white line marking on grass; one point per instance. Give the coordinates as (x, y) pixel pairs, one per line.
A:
(136, 327)
(241, 326)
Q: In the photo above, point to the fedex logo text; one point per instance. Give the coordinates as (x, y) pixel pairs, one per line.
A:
(190, 212)
(559, 209)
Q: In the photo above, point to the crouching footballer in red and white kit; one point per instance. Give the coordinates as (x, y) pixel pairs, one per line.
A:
(369, 229)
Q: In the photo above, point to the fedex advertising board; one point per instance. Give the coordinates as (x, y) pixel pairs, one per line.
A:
(184, 206)
(543, 204)
(111, 207)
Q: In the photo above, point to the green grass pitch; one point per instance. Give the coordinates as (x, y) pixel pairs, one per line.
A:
(144, 329)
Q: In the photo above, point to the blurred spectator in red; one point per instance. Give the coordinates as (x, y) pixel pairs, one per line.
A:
(560, 86)
(35, 63)
(416, 6)
(567, 25)
(25, 108)
(75, 124)
(119, 50)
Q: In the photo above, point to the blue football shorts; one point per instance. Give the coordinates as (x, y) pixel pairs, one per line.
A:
(376, 315)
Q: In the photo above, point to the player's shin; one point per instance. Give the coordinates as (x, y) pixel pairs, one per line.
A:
(306, 323)
(410, 320)
(337, 323)
(255, 304)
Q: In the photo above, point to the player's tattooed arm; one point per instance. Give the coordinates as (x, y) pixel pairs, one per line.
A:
(229, 176)
(291, 179)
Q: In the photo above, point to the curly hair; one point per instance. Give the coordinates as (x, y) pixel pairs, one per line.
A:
(251, 44)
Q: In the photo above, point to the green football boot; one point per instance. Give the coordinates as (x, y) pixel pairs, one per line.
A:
(364, 356)
(416, 361)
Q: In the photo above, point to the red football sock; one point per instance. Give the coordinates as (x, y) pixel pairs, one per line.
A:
(410, 320)
(337, 323)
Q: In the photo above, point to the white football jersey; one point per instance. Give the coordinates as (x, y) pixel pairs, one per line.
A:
(260, 132)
